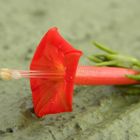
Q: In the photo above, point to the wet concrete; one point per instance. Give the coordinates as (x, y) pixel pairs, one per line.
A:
(99, 113)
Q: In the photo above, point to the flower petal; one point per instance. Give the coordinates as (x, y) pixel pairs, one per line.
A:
(54, 55)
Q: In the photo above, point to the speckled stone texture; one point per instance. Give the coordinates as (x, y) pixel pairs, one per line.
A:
(99, 113)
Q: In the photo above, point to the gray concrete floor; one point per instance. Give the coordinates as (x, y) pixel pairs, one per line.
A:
(99, 113)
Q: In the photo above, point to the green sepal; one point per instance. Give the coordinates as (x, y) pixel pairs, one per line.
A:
(115, 59)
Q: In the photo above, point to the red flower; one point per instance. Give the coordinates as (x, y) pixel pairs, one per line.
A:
(59, 60)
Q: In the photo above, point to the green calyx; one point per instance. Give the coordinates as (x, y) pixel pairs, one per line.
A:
(113, 58)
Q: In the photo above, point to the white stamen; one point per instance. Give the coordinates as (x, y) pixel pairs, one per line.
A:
(16, 74)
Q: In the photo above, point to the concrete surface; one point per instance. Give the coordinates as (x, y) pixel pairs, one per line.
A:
(99, 113)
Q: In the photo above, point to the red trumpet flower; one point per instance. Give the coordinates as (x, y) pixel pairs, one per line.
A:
(53, 72)
(58, 60)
